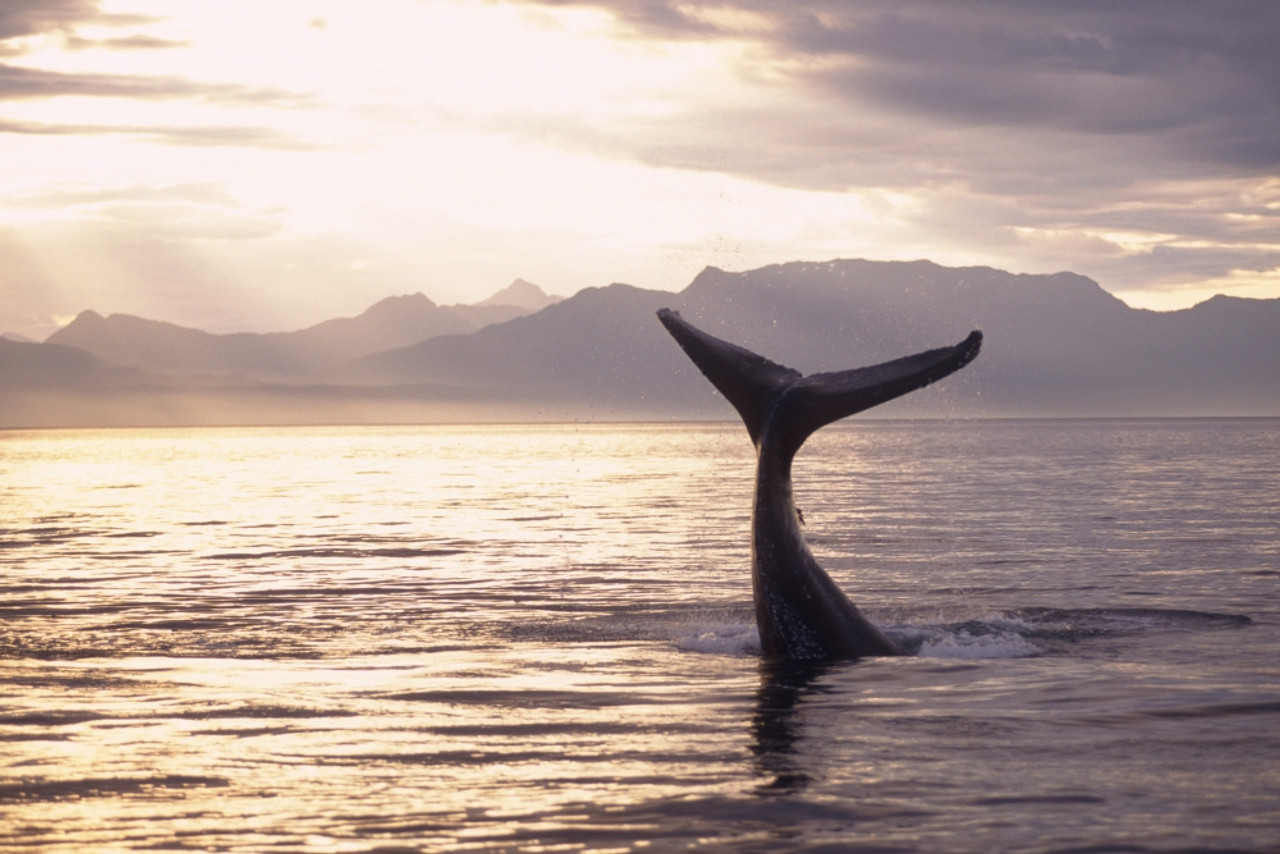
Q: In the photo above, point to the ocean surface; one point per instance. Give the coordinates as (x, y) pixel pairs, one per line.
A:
(539, 638)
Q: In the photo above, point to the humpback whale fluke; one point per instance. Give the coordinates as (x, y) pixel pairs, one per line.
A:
(800, 611)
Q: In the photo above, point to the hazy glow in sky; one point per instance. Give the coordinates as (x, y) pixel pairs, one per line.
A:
(266, 165)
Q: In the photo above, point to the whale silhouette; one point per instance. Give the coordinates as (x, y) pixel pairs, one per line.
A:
(800, 612)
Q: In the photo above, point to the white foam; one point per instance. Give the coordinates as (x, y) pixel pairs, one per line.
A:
(934, 642)
(1005, 623)
(962, 644)
(722, 640)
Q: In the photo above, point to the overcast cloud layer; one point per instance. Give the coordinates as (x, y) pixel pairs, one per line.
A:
(267, 165)
(1070, 120)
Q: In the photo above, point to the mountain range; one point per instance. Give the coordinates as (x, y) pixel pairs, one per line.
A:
(1056, 345)
(165, 348)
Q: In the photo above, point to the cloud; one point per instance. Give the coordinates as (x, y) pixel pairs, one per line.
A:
(177, 221)
(155, 206)
(20, 19)
(1159, 85)
(18, 82)
(27, 17)
(139, 42)
(195, 192)
(180, 135)
(1129, 140)
(24, 84)
(187, 211)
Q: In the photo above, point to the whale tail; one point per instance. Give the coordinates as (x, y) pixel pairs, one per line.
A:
(764, 392)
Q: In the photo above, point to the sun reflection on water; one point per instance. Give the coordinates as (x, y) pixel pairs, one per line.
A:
(526, 638)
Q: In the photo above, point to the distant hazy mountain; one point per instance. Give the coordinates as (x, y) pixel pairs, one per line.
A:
(166, 348)
(29, 365)
(601, 347)
(1056, 345)
(523, 294)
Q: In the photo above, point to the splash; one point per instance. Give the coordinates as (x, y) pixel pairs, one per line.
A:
(741, 639)
(963, 644)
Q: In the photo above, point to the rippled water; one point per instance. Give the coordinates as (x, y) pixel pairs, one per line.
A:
(539, 638)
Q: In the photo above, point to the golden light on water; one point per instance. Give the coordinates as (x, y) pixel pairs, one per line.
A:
(541, 637)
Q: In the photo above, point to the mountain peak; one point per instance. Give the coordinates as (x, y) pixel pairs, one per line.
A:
(524, 294)
(401, 303)
(87, 322)
(709, 274)
(86, 316)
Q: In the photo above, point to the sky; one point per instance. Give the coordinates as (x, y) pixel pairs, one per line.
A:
(264, 165)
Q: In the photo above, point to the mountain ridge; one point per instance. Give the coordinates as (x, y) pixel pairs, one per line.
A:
(167, 348)
(1056, 345)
